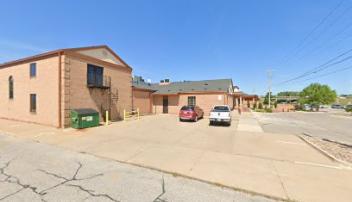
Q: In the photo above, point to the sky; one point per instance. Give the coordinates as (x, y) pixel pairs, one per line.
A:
(194, 39)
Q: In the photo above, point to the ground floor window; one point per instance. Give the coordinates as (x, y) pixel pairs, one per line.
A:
(191, 100)
(33, 103)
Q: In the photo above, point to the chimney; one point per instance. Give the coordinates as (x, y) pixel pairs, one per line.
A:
(236, 89)
(164, 82)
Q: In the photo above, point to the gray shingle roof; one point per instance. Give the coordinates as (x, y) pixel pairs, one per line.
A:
(221, 85)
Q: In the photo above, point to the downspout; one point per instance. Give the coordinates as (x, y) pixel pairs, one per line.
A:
(132, 98)
(151, 102)
(60, 94)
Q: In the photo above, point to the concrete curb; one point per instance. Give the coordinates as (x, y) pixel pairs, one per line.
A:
(322, 151)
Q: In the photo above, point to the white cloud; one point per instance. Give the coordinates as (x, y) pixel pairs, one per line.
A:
(11, 50)
(16, 45)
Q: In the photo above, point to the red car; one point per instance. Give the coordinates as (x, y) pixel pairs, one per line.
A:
(192, 113)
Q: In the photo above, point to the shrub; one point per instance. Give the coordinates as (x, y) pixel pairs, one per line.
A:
(268, 110)
(254, 106)
(260, 106)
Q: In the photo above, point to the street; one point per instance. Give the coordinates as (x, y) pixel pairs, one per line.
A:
(322, 125)
(31, 171)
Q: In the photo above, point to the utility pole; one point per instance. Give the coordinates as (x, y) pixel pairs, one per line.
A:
(270, 74)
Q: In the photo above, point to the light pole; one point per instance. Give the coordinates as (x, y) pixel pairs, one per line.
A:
(269, 87)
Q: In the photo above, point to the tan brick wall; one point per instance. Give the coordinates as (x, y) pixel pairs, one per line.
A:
(45, 85)
(230, 101)
(80, 96)
(142, 101)
(284, 108)
(102, 54)
(204, 101)
(173, 107)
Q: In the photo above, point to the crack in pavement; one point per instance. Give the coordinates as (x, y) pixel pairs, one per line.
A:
(280, 179)
(66, 180)
(73, 179)
(15, 180)
(163, 191)
(91, 192)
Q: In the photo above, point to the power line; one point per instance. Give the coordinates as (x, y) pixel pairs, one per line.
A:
(330, 38)
(329, 73)
(321, 67)
(301, 44)
(317, 49)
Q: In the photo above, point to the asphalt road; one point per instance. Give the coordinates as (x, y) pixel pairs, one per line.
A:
(31, 171)
(319, 124)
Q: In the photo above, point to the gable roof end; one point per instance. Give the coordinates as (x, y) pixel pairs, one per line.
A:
(62, 51)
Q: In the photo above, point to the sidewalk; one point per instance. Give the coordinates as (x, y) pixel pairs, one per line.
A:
(278, 166)
(249, 123)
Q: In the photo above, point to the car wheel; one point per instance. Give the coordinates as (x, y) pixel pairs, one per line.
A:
(210, 123)
(180, 119)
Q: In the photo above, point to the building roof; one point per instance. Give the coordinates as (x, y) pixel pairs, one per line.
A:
(143, 85)
(218, 85)
(62, 51)
(245, 95)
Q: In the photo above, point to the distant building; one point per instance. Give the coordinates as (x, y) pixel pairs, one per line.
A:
(169, 97)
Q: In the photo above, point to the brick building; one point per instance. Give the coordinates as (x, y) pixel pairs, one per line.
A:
(169, 97)
(44, 88)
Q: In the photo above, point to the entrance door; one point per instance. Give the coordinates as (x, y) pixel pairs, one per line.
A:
(165, 104)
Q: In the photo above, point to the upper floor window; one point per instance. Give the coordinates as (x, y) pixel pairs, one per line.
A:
(94, 75)
(33, 70)
(11, 83)
(191, 100)
(11, 87)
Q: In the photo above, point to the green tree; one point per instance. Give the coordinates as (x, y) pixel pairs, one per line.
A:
(288, 93)
(266, 98)
(317, 94)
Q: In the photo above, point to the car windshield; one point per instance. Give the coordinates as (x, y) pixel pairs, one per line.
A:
(221, 109)
(187, 108)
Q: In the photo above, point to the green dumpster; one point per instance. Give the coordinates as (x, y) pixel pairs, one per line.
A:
(84, 118)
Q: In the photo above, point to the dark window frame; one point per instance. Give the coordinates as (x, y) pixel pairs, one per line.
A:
(11, 87)
(95, 75)
(33, 70)
(33, 103)
(191, 100)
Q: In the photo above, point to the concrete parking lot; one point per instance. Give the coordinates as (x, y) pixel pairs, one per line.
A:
(38, 172)
(241, 157)
(326, 125)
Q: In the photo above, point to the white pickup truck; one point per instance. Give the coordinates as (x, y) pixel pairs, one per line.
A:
(220, 114)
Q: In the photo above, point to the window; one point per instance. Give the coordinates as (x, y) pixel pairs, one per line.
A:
(221, 109)
(191, 100)
(187, 108)
(11, 83)
(94, 75)
(33, 70)
(33, 103)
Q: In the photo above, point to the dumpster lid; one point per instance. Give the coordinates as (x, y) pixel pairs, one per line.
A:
(84, 111)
